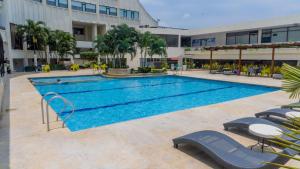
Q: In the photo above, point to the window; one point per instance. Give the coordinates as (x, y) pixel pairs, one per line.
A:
(51, 2)
(34, 0)
(294, 34)
(113, 11)
(266, 36)
(123, 13)
(203, 42)
(90, 8)
(253, 37)
(172, 40)
(108, 10)
(63, 3)
(76, 5)
(133, 15)
(103, 9)
(242, 38)
(230, 39)
(279, 35)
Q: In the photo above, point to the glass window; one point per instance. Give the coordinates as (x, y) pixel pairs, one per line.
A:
(136, 15)
(128, 14)
(90, 8)
(123, 13)
(63, 3)
(113, 11)
(103, 9)
(253, 37)
(195, 42)
(294, 36)
(230, 40)
(279, 37)
(35, 0)
(266, 36)
(242, 38)
(51, 2)
(76, 5)
(211, 42)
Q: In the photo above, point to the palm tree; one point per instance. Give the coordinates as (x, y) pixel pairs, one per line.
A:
(35, 34)
(66, 44)
(291, 83)
(158, 46)
(102, 48)
(144, 42)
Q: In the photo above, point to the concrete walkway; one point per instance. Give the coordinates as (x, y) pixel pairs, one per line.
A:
(137, 144)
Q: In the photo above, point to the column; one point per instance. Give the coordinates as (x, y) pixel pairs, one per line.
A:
(25, 53)
(259, 36)
(179, 41)
(94, 32)
(48, 54)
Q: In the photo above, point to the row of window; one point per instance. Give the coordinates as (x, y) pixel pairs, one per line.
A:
(242, 38)
(88, 7)
(286, 34)
(134, 15)
(203, 42)
(59, 3)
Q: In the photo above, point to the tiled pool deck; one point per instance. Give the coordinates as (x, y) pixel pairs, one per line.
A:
(138, 144)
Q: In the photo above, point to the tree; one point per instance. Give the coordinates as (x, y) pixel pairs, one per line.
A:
(102, 48)
(66, 44)
(158, 46)
(144, 41)
(35, 34)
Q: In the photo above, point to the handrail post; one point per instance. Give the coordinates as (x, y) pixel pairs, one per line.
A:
(42, 104)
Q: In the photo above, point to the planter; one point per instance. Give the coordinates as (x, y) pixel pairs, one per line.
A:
(277, 76)
(119, 71)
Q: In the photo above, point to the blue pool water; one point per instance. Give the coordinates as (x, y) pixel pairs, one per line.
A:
(101, 101)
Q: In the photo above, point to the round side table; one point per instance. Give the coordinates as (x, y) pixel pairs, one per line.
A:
(263, 132)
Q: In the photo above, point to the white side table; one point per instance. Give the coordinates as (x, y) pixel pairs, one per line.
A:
(263, 131)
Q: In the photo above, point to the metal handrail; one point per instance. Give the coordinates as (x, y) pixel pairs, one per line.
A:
(42, 104)
(66, 102)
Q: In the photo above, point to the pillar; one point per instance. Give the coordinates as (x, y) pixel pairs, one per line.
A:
(94, 32)
(25, 53)
(48, 54)
(273, 61)
(211, 60)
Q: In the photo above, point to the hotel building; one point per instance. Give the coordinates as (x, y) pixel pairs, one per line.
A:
(86, 19)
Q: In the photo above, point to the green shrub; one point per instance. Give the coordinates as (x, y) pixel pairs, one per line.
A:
(46, 68)
(158, 70)
(74, 67)
(277, 70)
(57, 67)
(266, 71)
(144, 69)
(89, 55)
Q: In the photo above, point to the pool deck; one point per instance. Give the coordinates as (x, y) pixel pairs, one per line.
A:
(137, 144)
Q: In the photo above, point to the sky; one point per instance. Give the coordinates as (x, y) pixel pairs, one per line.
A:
(212, 13)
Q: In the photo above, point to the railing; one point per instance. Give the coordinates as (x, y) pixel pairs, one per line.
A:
(66, 103)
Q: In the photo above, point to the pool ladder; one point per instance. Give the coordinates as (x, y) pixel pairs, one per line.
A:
(55, 96)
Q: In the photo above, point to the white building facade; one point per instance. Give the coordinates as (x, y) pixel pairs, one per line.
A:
(85, 19)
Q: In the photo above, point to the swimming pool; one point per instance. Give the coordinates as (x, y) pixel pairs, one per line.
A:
(102, 101)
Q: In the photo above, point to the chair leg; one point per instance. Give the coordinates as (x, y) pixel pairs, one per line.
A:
(176, 146)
